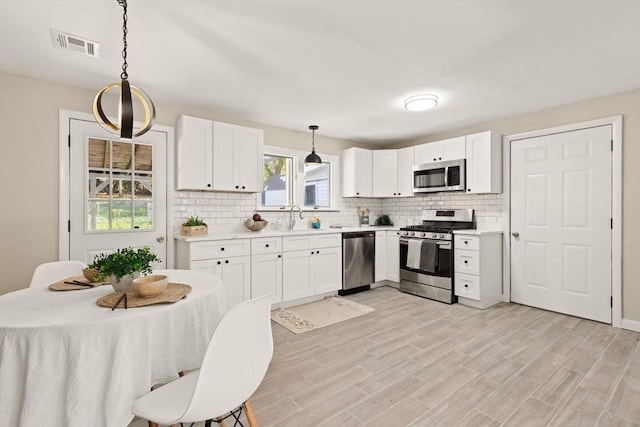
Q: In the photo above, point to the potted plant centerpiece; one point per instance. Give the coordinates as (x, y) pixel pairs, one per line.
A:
(194, 227)
(124, 265)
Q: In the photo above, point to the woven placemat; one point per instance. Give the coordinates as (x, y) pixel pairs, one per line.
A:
(174, 292)
(62, 286)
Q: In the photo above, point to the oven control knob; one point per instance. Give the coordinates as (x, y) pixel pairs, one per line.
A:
(412, 233)
(441, 236)
(423, 234)
(405, 233)
(434, 235)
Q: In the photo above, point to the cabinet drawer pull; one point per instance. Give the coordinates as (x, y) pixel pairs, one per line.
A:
(279, 256)
(243, 187)
(219, 262)
(317, 252)
(209, 185)
(226, 261)
(466, 286)
(312, 252)
(466, 262)
(266, 246)
(222, 249)
(237, 186)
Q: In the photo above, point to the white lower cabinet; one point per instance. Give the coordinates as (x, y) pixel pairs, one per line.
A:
(381, 256)
(313, 268)
(266, 271)
(478, 269)
(393, 256)
(235, 273)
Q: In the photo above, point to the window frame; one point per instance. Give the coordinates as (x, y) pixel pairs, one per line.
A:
(298, 183)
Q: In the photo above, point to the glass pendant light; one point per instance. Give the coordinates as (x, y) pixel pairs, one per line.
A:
(313, 157)
(124, 128)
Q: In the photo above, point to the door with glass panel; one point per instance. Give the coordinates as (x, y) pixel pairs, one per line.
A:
(117, 192)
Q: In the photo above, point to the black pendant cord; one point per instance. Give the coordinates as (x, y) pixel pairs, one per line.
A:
(124, 75)
(126, 103)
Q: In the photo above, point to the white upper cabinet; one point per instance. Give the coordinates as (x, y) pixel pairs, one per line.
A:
(484, 163)
(440, 151)
(237, 158)
(194, 157)
(357, 172)
(392, 173)
(385, 178)
(218, 156)
(405, 172)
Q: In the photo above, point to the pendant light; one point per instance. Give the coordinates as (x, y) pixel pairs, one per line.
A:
(124, 128)
(313, 157)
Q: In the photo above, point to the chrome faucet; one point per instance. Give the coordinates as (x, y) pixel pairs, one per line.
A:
(292, 221)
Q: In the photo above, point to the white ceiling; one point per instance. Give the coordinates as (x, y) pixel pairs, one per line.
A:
(344, 65)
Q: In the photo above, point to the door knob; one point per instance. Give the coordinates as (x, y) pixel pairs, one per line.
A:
(160, 239)
(515, 234)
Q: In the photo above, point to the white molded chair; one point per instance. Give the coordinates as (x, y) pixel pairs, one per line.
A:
(50, 272)
(233, 367)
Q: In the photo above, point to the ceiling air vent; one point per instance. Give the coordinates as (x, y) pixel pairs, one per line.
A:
(73, 43)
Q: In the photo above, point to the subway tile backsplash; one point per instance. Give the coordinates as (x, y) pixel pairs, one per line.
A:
(229, 210)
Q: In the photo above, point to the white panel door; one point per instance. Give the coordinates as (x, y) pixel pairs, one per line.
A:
(327, 270)
(385, 173)
(224, 156)
(266, 276)
(560, 222)
(296, 275)
(236, 278)
(118, 192)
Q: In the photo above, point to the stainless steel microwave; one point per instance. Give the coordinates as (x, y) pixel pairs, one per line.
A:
(439, 176)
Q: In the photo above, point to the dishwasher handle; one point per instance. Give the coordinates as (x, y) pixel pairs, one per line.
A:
(358, 234)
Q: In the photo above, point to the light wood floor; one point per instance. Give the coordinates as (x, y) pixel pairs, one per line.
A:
(416, 362)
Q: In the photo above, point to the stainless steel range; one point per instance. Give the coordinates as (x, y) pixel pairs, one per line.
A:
(426, 253)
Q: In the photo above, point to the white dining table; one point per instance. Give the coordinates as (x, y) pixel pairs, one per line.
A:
(65, 361)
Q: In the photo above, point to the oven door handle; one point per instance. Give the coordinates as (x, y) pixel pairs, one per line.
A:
(444, 245)
(446, 176)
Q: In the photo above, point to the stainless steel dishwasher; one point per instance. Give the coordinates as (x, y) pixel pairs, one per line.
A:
(358, 261)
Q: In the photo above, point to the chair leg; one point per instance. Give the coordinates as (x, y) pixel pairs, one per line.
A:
(249, 413)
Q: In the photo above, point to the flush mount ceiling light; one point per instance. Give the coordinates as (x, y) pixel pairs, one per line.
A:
(124, 128)
(422, 102)
(313, 157)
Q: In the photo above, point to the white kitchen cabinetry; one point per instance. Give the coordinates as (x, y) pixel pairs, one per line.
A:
(357, 172)
(237, 158)
(392, 173)
(311, 265)
(381, 256)
(228, 259)
(385, 177)
(393, 256)
(266, 268)
(440, 151)
(218, 156)
(478, 269)
(194, 157)
(484, 163)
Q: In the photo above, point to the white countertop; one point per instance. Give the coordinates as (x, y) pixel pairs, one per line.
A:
(248, 234)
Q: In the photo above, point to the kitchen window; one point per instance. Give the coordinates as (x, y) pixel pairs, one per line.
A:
(287, 181)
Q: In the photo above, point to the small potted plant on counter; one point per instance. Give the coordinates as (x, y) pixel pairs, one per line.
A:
(315, 222)
(194, 227)
(124, 265)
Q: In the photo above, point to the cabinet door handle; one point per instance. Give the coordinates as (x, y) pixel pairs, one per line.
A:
(357, 194)
(434, 159)
(226, 261)
(219, 262)
(312, 252)
(279, 256)
(266, 246)
(466, 262)
(237, 186)
(209, 185)
(468, 189)
(243, 187)
(466, 286)
(439, 158)
(317, 252)
(222, 249)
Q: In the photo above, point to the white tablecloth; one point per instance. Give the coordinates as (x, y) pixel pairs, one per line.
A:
(65, 361)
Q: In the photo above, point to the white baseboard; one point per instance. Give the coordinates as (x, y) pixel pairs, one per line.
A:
(632, 325)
